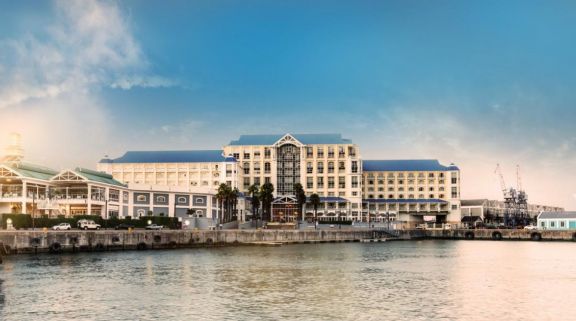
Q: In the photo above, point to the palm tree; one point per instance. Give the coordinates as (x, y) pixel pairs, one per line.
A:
(234, 201)
(300, 197)
(253, 190)
(315, 201)
(190, 211)
(266, 196)
(223, 197)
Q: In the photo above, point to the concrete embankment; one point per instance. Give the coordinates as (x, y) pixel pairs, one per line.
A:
(502, 234)
(14, 242)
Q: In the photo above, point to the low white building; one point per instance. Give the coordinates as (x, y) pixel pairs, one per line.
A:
(557, 220)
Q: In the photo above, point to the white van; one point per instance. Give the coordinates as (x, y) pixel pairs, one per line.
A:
(88, 225)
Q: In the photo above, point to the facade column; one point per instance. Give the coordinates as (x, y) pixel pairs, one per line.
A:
(89, 199)
(24, 197)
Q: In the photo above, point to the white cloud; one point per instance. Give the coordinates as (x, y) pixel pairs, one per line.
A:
(90, 46)
(50, 81)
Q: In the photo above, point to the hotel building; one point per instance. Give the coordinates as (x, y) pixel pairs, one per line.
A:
(177, 183)
(326, 164)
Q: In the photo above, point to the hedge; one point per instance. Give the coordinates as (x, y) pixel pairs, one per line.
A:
(24, 221)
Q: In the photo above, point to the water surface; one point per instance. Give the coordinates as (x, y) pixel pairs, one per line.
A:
(424, 280)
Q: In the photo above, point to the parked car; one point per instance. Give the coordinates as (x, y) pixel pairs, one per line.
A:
(530, 227)
(88, 225)
(62, 226)
(124, 226)
(154, 227)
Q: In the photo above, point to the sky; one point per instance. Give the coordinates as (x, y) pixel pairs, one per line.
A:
(473, 83)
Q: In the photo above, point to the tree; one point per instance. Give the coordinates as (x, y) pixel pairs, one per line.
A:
(254, 192)
(223, 197)
(190, 212)
(266, 197)
(315, 201)
(300, 197)
(234, 202)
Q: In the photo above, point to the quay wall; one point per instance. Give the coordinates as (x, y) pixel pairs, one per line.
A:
(13, 242)
(502, 234)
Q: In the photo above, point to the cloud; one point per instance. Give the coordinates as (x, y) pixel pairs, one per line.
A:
(50, 82)
(90, 46)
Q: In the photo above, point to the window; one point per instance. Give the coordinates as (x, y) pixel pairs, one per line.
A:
(455, 206)
(320, 168)
(330, 167)
(309, 168)
(342, 182)
(182, 200)
(246, 155)
(309, 182)
(390, 196)
(354, 167)
(266, 152)
(562, 224)
(430, 175)
(341, 166)
(454, 178)
(309, 152)
(354, 181)
(199, 200)
(370, 182)
(431, 196)
(246, 167)
(257, 181)
(330, 152)
(320, 182)
(246, 182)
(267, 180)
(454, 192)
(331, 182)
(400, 181)
(256, 154)
(401, 196)
(267, 168)
(431, 189)
(552, 224)
(161, 199)
(320, 152)
(391, 182)
(236, 155)
(141, 198)
(411, 196)
(543, 224)
(351, 151)
(341, 151)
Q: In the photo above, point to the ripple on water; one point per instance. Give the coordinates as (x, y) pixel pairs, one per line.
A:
(435, 280)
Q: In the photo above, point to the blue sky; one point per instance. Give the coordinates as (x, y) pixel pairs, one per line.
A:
(470, 82)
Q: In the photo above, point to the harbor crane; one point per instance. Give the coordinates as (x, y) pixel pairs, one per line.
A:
(515, 200)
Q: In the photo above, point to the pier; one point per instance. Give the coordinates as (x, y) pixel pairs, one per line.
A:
(21, 242)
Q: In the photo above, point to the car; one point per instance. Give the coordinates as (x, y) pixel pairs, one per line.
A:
(154, 227)
(88, 225)
(332, 226)
(530, 227)
(62, 226)
(124, 226)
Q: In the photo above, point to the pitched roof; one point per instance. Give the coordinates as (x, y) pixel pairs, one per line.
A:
(32, 171)
(171, 156)
(557, 215)
(403, 200)
(470, 219)
(99, 177)
(478, 202)
(405, 165)
(306, 139)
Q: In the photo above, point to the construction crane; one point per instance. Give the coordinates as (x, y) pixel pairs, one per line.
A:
(515, 200)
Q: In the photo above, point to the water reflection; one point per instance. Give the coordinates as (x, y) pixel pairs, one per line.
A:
(430, 280)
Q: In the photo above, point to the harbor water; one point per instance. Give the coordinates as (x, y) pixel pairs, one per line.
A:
(406, 280)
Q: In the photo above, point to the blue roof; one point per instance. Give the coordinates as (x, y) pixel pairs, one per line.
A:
(183, 156)
(403, 200)
(306, 139)
(332, 199)
(405, 165)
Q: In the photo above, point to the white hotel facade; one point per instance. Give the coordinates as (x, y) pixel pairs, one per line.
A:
(326, 164)
(176, 183)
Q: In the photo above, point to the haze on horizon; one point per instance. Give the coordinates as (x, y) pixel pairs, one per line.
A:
(473, 83)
